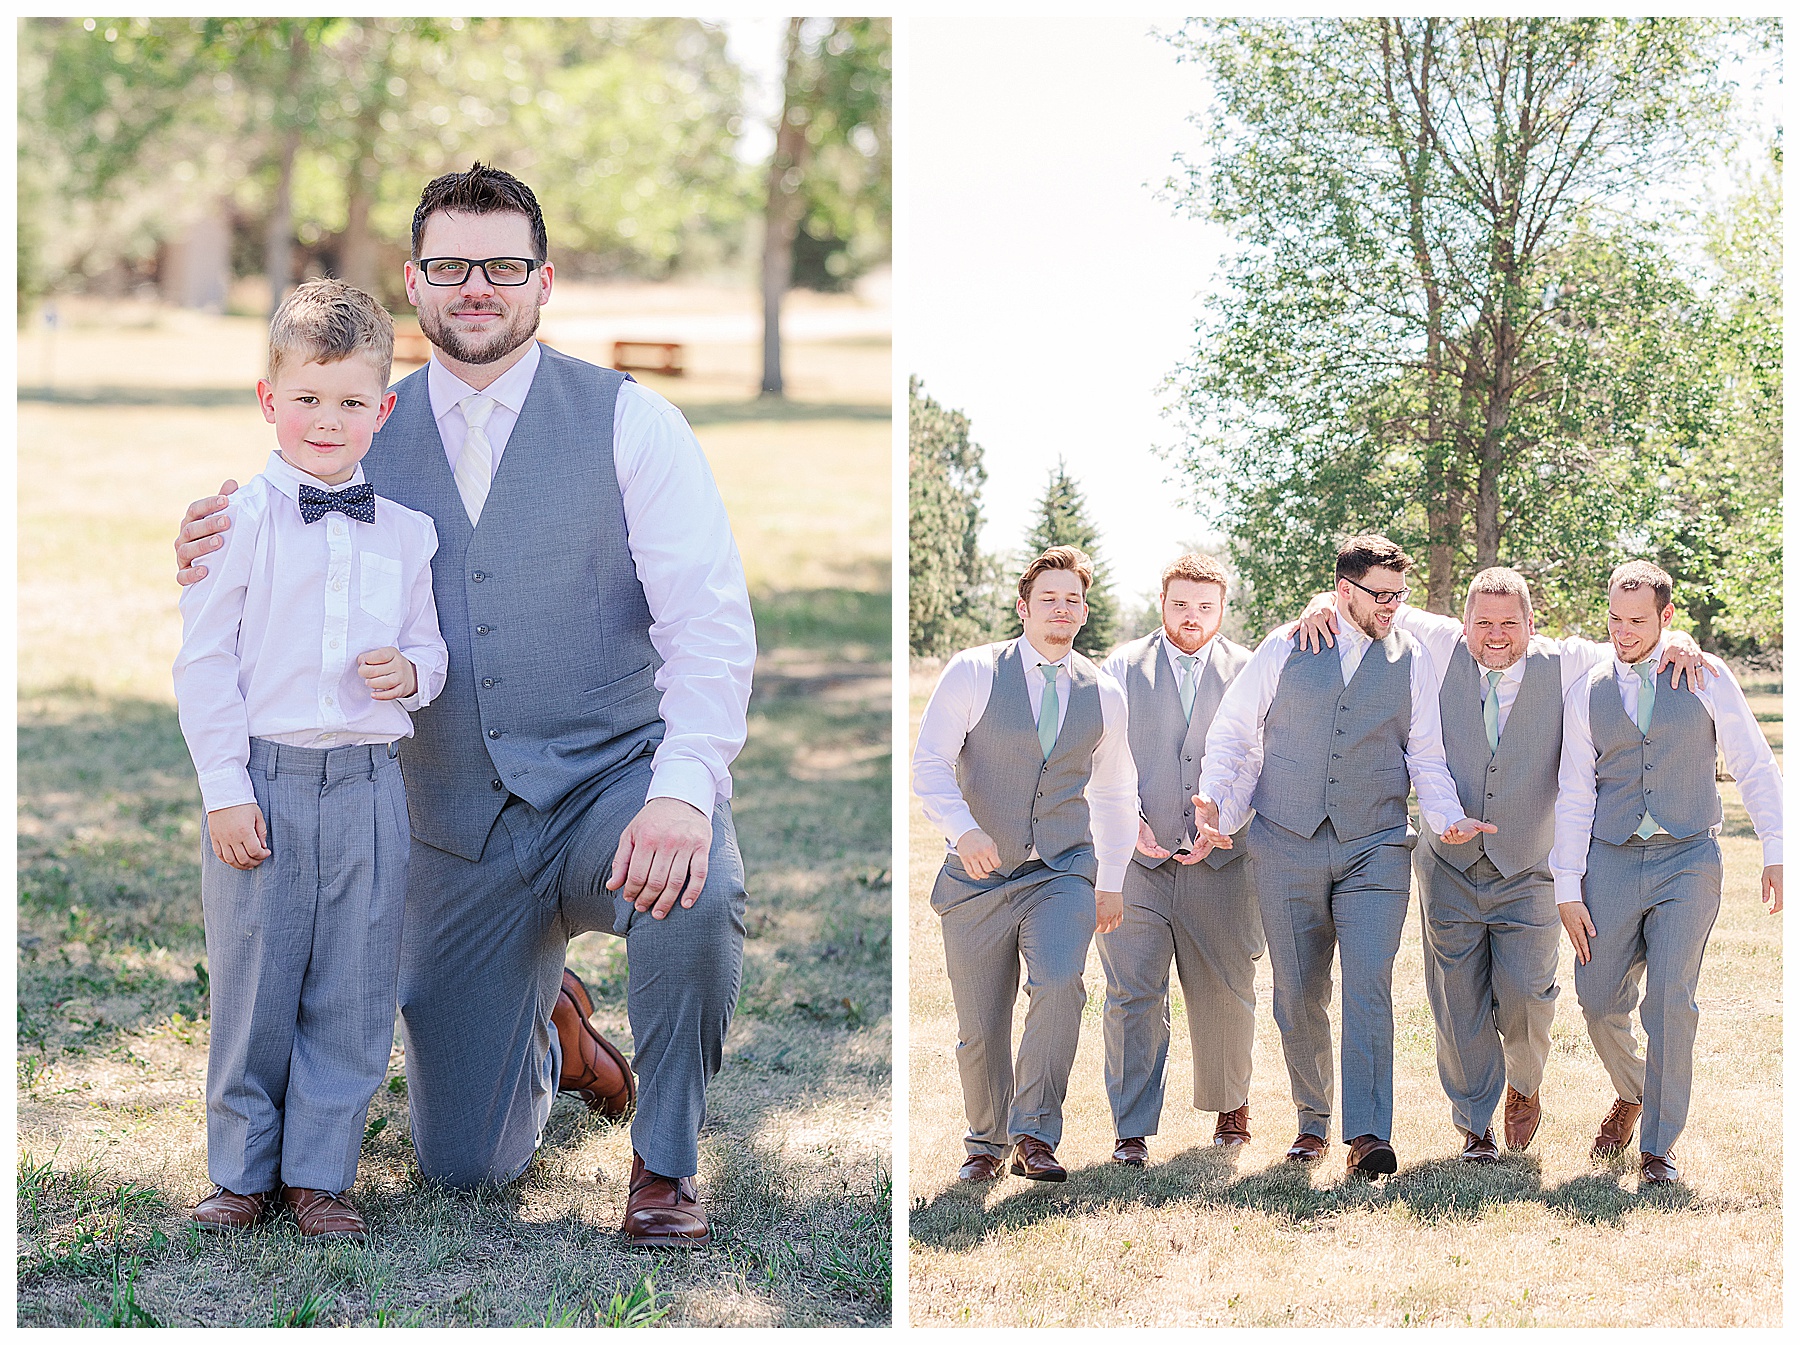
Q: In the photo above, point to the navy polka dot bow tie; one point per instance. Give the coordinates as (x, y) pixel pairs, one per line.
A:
(358, 502)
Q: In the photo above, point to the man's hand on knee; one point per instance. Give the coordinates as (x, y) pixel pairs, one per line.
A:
(662, 857)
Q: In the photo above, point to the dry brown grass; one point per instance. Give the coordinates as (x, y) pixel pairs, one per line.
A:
(112, 1023)
(1205, 1238)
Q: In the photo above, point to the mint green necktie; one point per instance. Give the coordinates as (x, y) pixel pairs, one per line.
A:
(1187, 662)
(1646, 702)
(1490, 711)
(1047, 710)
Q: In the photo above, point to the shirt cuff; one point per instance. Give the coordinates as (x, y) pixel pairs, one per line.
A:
(1771, 852)
(226, 789)
(1568, 887)
(688, 781)
(1112, 878)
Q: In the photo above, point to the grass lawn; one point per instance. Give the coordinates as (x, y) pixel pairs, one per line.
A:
(113, 1001)
(1205, 1236)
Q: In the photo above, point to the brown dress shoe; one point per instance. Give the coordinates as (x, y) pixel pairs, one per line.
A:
(228, 1212)
(1371, 1156)
(1305, 1148)
(663, 1211)
(1656, 1171)
(979, 1168)
(321, 1214)
(1133, 1153)
(1522, 1117)
(1478, 1148)
(592, 1067)
(1233, 1127)
(1615, 1130)
(1036, 1161)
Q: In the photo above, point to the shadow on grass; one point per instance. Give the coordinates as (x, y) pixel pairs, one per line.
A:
(112, 1032)
(1208, 1180)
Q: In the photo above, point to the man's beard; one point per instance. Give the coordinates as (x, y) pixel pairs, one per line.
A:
(1179, 638)
(479, 347)
(1366, 624)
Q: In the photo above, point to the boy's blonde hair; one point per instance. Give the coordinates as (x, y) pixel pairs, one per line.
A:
(324, 321)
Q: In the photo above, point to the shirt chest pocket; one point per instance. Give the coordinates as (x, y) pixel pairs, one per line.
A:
(378, 591)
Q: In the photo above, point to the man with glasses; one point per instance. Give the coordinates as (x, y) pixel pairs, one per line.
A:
(1325, 745)
(574, 773)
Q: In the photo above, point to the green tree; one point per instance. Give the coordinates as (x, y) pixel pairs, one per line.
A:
(951, 582)
(1062, 521)
(1451, 314)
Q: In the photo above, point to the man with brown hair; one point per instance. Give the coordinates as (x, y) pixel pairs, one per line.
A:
(1024, 764)
(1636, 858)
(1324, 745)
(1195, 910)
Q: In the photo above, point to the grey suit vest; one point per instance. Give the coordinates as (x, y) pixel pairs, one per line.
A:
(1514, 787)
(1668, 772)
(1336, 751)
(1168, 750)
(552, 674)
(1018, 797)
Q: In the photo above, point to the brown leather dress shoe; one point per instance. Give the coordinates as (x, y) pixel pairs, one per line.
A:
(1615, 1130)
(979, 1168)
(1305, 1148)
(1657, 1171)
(1233, 1127)
(1036, 1161)
(228, 1212)
(1522, 1117)
(321, 1214)
(1133, 1153)
(663, 1211)
(592, 1067)
(1371, 1156)
(1477, 1148)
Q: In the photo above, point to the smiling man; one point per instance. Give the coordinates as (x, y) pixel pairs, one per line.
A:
(1636, 859)
(1024, 765)
(575, 773)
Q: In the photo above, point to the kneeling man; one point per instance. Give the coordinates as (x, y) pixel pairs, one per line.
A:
(1024, 765)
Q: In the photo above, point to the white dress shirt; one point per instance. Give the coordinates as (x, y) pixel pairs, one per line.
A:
(1234, 746)
(956, 707)
(1747, 757)
(686, 560)
(270, 637)
(1442, 634)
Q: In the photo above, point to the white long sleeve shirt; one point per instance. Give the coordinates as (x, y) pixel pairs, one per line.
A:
(957, 705)
(1234, 745)
(1747, 757)
(686, 560)
(271, 635)
(1442, 634)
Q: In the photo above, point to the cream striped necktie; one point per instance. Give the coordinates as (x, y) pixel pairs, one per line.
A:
(475, 464)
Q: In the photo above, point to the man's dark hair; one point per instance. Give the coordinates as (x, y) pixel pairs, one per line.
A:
(1071, 558)
(1359, 555)
(1636, 574)
(480, 191)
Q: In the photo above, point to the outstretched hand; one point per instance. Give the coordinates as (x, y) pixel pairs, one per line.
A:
(662, 856)
(1466, 830)
(1206, 827)
(1146, 842)
(199, 526)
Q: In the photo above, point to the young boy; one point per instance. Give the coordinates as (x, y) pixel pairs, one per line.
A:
(302, 650)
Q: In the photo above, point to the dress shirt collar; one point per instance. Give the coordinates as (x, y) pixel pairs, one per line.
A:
(509, 389)
(288, 479)
(1201, 656)
(1629, 670)
(1031, 657)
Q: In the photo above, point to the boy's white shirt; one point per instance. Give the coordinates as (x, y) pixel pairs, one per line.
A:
(271, 635)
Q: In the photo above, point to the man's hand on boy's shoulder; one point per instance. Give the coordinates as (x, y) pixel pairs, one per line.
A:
(204, 519)
(389, 673)
(239, 837)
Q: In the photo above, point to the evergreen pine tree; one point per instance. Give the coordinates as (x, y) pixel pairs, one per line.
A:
(1062, 521)
(951, 583)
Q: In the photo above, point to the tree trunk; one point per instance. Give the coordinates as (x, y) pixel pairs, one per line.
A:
(782, 214)
(278, 242)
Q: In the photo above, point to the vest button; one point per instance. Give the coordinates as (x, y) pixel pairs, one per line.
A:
(481, 630)
(1340, 733)
(1331, 781)
(1649, 766)
(487, 681)
(495, 784)
(478, 576)
(1490, 796)
(1335, 757)
(493, 733)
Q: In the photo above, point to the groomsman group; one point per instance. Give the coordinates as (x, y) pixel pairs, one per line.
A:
(1191, 803)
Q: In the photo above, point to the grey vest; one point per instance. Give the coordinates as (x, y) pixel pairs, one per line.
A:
(1668, 772)
(552, 674)
(1514, 787)
(1336, 751)
(1170, 751)
(1018, 797)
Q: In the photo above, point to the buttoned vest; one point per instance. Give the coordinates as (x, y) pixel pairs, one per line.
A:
(1336, 751)
(1668, 772)
(1169, 749)
(552, 677)
(1514, 787)
(1019, 797)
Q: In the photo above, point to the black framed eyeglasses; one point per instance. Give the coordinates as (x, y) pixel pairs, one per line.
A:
(498, 270)
(1383, 598)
